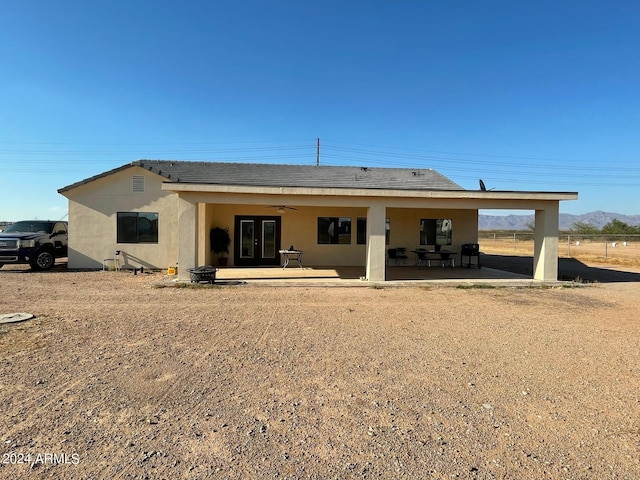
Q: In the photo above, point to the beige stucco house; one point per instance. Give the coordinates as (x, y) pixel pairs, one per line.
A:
(158, 214)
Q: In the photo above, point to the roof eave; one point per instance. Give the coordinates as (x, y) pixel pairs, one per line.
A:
(94, 178)
(86, 181)
(184, 187)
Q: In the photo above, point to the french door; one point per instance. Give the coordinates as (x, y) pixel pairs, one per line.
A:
(256, 241)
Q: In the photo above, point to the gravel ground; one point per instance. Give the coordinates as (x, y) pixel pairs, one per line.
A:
(118, 379)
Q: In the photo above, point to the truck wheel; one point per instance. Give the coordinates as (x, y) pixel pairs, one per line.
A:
(44, 261)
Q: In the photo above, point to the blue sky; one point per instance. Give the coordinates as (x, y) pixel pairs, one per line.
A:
(525, 95)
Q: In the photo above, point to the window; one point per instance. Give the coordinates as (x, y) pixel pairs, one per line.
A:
(361, 233)
(387, 231)
(435, 232)
(334, 230)
(137, 227)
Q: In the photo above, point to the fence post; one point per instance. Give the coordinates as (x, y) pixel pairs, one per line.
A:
(514, 242)
(569, 245)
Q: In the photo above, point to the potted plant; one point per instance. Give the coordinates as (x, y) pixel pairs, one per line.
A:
(220, 241)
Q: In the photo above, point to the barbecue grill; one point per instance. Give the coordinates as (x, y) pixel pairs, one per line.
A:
(470, 250)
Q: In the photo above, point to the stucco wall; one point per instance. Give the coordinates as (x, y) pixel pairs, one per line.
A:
(92, 221)
(299, 228)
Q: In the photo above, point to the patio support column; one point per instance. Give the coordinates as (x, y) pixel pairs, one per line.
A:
(187, 237)
(376, 257)
(545, 255)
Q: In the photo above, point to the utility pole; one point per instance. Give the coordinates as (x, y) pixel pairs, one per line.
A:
(318, 153)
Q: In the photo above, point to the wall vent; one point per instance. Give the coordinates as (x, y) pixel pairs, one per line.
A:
(138, 184)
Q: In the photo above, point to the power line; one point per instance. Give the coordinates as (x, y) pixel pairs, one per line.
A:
(368, 155)
(421, 152)
(473, 161)
(484, 166)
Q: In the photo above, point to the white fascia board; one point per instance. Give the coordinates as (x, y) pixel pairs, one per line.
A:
(360, 192)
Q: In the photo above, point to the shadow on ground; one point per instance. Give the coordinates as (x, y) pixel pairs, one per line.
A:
(569, 269)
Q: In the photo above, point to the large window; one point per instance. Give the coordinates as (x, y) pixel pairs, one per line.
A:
(435, 231)
(362, 231)
(334, 230)
(137, 227)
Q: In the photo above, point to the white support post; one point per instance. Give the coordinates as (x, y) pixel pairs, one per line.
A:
(187, 237)
(376, 234)
(545, 256)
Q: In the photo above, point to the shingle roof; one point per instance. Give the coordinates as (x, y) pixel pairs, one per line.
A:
(276, 175)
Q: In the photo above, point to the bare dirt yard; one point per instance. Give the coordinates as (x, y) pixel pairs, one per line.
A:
(625, 255)
(116, 378)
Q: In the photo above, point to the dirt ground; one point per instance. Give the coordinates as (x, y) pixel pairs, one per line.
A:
(624, 254)
(569, 269)
(117, 378)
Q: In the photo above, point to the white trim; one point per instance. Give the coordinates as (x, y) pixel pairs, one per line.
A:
(359, 192)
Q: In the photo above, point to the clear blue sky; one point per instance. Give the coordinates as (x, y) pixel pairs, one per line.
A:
(540, 95)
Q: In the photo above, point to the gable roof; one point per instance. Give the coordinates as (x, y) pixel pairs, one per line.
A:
(277, 175)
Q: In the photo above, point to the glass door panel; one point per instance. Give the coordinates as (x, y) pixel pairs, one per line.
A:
(256, 240)
(268, 239)
(247, 238)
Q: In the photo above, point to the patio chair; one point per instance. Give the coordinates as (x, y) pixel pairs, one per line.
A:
(397, 254)
(401, 254)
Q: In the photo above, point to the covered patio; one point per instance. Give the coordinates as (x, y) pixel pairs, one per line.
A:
(203, 208)
(355, 276)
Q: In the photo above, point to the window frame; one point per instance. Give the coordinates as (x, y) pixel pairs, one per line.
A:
(125, 230)
(439, 231)
(341, 234)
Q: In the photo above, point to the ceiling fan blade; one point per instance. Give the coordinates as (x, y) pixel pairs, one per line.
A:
(282, 207)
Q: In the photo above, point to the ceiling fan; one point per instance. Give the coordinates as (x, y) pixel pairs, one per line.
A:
(282, 208)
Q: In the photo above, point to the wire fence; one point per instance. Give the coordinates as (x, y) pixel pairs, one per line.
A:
(622, 248)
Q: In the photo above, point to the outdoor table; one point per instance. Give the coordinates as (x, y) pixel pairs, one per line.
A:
(445, 256)
(288, 255)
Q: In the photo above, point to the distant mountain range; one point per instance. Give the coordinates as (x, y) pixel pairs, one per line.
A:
(521, 222)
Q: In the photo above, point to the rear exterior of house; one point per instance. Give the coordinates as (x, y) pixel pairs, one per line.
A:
(103, 218)
(158, 214)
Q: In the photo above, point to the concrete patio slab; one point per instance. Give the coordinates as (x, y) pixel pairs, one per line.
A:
(355, 276)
